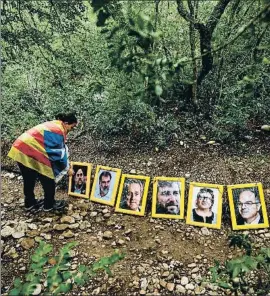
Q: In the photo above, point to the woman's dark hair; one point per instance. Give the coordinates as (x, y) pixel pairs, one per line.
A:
(69, 118)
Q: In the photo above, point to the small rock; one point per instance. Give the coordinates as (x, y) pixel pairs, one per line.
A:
(163, 283)
(180, 289)
(60, 226)
(107, 234)
(68, 233)
(27, 243)
(170, 286)
(184, 281)
(32, 226)
(18, 234)
(67, 219)
(37, 291)
(7, 231)
(205, 231)
(190, 287)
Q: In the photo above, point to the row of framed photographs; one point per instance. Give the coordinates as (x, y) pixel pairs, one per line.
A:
(247, 204)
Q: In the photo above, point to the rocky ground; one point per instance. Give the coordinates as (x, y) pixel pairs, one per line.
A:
(163, 257)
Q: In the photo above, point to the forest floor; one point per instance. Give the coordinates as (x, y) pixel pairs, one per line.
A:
(163, 257)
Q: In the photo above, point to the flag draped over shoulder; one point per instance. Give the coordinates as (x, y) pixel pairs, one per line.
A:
(42, 148)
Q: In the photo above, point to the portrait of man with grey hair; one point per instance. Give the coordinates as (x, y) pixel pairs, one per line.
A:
(132, 195)
(248, 206)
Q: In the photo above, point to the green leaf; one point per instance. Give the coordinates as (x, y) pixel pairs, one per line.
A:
(224, 285)
(82, 268)
(63, 288)
(66, 275)
(15, 292)
(17, 283)
(266, 61)
(158, 90)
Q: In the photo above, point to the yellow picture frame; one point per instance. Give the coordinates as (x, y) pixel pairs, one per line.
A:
(216, 192)
(155, 202)
(109, 198)
(81, 165)
(236, 216)
(121, 200)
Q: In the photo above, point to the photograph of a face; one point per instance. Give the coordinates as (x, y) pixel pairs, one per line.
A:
(79, 183)
(247, 206)
(168, 198)
(205, 205)
(105, 185)
(132, 194)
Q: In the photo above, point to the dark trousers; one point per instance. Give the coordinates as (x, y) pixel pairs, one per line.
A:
(29, 179)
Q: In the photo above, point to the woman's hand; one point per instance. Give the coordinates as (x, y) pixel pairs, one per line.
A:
(71, 172)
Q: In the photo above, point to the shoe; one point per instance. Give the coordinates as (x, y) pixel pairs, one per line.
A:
(38, 205)
(58, 205)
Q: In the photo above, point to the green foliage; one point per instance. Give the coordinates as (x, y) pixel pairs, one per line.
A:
(131, 117)
(124, 75)
(241, 241)
(55, 271)
(233, 275)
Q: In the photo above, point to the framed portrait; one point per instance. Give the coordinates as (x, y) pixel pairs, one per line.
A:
(205, 205)
(168, 197)
(79, 183)
(247, 206)
(132, 194)
(105, 185)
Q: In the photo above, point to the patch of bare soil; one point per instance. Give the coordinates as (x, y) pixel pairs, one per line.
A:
(163, 257)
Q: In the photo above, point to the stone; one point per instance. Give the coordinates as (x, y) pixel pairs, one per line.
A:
(7, 231)
(68, 234)
(144, 284)
(60, 226)
(165, 274)
(184, 281)
(189, 287)
(170, 286)
(18, 234)
(199, 290)
(37, 291)
(205, 231)
(180, 289)
(74, 226)
(32, 226)
(67, 219)
(194, 270)
(107, 234)
(121, 242)
(28, 243)
(163, 283)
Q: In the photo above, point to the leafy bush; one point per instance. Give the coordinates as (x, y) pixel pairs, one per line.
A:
(128, 116)
(54, 272)
(233, 275)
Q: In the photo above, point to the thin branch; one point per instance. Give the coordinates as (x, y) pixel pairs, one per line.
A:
(182, 11)
(240, 32)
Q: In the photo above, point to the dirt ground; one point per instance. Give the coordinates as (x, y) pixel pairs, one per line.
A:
(150, 244)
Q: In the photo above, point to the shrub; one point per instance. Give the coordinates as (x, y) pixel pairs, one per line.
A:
(55, 271)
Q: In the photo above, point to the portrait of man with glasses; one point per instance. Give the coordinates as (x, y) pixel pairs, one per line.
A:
(248, 206)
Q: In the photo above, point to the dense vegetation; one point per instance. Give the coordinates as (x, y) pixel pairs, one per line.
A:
(141, 69)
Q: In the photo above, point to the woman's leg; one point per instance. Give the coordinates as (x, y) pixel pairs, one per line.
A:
(49, 191)
(29, 181)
